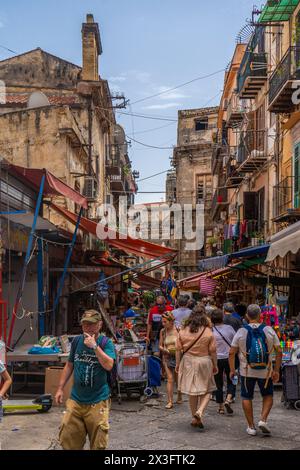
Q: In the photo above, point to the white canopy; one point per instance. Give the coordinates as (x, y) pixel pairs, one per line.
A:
(284, 242)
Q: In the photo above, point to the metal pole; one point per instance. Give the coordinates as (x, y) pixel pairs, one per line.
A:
(41, 303)
(28, 253)
(68, 258)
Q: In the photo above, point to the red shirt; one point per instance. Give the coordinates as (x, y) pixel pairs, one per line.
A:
(155, 315)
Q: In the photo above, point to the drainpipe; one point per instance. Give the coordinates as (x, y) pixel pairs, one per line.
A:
(90, 129)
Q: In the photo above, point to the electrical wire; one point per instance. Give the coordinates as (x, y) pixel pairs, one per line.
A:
(178, 86)
(152, 176)
(144, 116)
(149, 146)
(154, 129)
(7, 49)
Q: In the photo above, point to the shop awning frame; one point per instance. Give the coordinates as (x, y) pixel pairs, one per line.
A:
(115, 239)
(251, 252)
(53, 186)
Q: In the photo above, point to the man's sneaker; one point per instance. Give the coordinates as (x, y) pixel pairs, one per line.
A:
(251, 431)
(264, 427)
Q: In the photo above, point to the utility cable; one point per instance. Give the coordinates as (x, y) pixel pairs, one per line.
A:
(179, 86)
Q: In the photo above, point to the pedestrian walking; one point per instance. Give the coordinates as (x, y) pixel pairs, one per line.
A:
(224, 335)
(230, 317)
(181, 313)
(255, 343)
(5, 383)
(154, 323)
(91, 357)
(198, 364)
(167, 343)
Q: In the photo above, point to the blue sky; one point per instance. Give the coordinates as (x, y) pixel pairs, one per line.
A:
(148, 46)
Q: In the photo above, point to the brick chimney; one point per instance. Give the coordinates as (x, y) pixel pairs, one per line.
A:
(91, 49)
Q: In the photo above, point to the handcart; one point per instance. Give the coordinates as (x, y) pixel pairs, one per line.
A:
(132, 375)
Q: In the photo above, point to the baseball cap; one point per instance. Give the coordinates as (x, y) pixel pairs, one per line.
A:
(91, 316)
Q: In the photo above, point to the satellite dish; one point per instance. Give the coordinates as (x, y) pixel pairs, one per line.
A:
(296, 355)
(37, 99)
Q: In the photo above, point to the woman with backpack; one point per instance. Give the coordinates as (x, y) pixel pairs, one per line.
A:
(224, 335)
(196, 363)
(167, 345)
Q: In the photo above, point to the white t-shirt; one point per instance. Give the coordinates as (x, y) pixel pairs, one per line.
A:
(181, 314)
(239, 341)
(2, 367)
(223, 346)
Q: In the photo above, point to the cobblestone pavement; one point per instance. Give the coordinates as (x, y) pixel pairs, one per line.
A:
(137, 426)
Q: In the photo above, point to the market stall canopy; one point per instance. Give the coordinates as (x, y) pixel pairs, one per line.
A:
(145, 282)
(27, 220)
(117, 240)
(193, 281)
(214, 263)
(251, 252)
(284, 242)
(53, 186)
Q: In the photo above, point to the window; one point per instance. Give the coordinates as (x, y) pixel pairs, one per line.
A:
(200, 191)
(201, 125)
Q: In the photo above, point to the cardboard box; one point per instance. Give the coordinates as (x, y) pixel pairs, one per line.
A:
(53, 375)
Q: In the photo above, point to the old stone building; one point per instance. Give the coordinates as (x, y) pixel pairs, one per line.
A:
(59, 116)
(192, 161)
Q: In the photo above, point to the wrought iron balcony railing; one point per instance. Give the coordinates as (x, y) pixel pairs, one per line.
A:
(252, 74)
(220, 200)
(280, 83)
(286, 199)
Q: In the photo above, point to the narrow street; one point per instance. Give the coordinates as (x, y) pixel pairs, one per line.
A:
(135, 426)
(150, 225)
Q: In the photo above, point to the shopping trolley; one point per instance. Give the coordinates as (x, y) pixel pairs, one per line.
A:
(132, 365)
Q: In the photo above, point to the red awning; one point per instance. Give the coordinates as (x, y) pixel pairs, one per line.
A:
(192, 282)
(129, 245)
(146, 282)
(53, 186)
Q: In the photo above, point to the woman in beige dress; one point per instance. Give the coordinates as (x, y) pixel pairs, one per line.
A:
(196, 363)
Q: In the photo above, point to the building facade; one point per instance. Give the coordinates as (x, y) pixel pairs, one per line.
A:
(192, 159)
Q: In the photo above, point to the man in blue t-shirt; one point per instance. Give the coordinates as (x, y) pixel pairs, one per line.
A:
(91, 358)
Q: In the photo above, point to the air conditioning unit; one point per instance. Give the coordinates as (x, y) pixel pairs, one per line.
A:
(109, 199)
(90, 188)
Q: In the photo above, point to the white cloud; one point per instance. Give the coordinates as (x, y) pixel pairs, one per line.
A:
(171, 95)
(121, 78)
(142, 77)
(163, 106)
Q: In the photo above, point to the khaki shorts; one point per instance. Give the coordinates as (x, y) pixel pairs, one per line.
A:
(81, 420)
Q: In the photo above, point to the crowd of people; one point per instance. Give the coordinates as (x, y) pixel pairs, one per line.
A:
(202, 346)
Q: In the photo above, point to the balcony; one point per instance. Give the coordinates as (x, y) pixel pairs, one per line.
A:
(286, 200)
(219, 153)
(233, 177)
(116, 177)
(235, 111)
(251, 153)
(281, 81)
(252, 74)
(219, 202)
